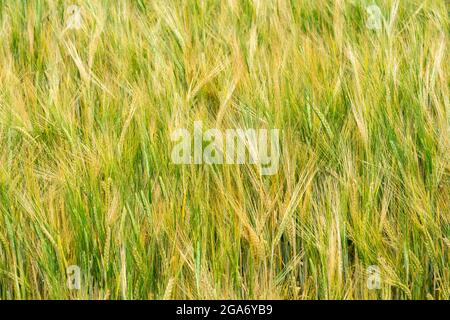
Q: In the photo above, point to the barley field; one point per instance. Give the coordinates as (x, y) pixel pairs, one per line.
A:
(359, 207)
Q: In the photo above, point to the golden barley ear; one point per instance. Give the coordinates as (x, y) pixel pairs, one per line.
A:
(169, 289)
